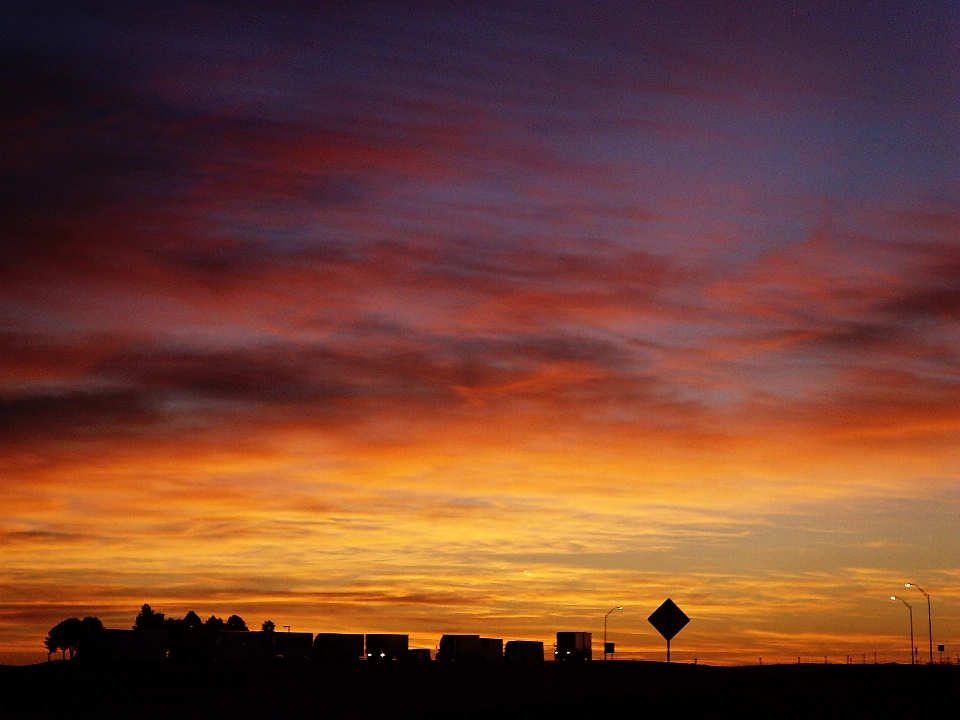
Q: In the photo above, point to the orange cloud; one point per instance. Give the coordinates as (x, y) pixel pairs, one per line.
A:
(541, 317)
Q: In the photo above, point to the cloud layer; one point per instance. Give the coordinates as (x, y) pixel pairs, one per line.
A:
(478, 317)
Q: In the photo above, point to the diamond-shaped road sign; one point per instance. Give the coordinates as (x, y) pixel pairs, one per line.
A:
(668, 619)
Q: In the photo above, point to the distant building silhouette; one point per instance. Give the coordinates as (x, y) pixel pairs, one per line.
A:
(100, 644)
(574, 646)
(135, 644)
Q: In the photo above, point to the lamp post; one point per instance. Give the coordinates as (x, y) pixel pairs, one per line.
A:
(605, 629)
(929, 619)
(910, 608)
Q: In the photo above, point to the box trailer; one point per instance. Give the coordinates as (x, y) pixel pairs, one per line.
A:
(523, 651)
(469, 648)
(292, 644)
(491, 649)
(387, 647)
(244, 645)
(574, 646)
(338, 647)
(459, 648)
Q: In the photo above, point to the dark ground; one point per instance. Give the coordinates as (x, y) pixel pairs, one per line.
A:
(432, 690)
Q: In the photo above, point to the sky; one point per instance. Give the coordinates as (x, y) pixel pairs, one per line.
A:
(441, 317)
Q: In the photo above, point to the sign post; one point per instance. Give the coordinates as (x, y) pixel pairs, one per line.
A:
(668, 619)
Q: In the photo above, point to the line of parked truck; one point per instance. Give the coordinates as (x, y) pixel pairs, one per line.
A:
(347, 647)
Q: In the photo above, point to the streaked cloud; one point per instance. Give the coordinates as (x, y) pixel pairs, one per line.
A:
(480, 318)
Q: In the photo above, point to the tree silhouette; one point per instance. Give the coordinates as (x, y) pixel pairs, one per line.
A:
(268, 626)
(214, 623)
(235, 622)
(147, 619)
(185, 636)
(178, 638)
(51, 645)
(93, 645)
(66, 636)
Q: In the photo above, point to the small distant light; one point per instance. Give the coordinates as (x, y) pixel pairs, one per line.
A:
(383, 654)
(907, 585)
(893, 597)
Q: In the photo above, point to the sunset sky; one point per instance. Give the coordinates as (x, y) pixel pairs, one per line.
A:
(484, 318)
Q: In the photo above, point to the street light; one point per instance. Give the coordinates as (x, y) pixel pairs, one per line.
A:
(910, 607)
(605, 629)
(929, 619)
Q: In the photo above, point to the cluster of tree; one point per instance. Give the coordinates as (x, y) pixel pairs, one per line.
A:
(188, 638)
(147, 619)
(70, 634)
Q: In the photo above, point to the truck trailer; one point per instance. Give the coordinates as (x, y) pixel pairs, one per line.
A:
(338, 647)
(387, 647)
(459, 648)
(239, 645)
(292, 645)
(523, 651)
(574, 646)
(469, 648)
(491, 649)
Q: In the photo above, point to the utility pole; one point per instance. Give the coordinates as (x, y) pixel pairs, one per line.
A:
(929, 618)
(910, 608)
(605, 630)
